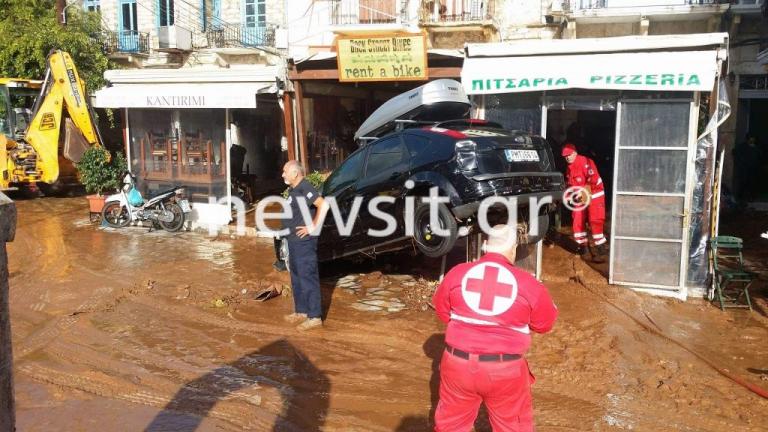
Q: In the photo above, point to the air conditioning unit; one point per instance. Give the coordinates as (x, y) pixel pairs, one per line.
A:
(281, 38)
(175, 37)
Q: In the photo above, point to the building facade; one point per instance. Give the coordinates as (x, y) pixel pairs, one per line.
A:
(199, 92)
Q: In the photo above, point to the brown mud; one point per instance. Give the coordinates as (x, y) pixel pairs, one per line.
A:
(132, 330)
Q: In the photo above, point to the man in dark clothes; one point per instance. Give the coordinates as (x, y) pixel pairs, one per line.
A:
(746, 164)
(302, 247)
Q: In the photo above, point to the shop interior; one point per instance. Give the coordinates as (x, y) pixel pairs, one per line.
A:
(750, 162)
(256, 155)
(175, 147)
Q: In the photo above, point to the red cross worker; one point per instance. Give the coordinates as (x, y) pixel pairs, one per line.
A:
(491, 307)
(586, 193)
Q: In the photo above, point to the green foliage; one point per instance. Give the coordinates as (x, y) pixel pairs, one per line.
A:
(315, 178)
(29, 31)
(99, 172)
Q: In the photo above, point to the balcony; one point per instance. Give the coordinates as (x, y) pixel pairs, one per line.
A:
(595, 11)
(762, 59)
(236, 36)
(456, 12)
(125, 42)
(367, 12)
(603, 4)
(752, 7)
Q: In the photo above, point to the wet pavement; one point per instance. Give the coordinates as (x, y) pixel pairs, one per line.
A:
(135, 330)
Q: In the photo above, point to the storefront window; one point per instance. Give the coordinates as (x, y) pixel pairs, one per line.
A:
(180, 147)
(519, 111)
(330, 130)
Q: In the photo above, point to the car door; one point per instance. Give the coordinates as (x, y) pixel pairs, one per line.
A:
(341, 187)
(386, 170)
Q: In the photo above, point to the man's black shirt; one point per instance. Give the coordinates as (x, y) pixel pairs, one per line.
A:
(304, 191)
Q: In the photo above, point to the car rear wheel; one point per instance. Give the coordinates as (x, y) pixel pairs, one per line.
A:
(427, 240)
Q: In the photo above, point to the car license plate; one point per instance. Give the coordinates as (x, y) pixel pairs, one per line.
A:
(521, 155)
(184, 204)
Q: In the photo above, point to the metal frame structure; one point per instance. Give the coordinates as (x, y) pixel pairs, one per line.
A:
(680, 290)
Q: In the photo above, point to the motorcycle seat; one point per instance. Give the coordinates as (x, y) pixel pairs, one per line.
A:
(155, 194)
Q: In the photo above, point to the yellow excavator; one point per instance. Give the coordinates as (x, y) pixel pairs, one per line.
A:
(39, 143)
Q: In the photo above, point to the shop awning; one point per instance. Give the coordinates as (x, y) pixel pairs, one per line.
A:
(673, 71)
(177, 95)
(654, 63)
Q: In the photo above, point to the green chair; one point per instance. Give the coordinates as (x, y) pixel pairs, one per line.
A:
(732, 281)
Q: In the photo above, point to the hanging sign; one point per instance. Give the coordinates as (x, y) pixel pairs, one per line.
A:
(673, 71)
(396, 57)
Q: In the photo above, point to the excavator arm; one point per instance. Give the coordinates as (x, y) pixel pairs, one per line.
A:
(36, 158)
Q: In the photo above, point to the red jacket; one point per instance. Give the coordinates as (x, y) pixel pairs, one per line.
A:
(491, 307)
(583, 172)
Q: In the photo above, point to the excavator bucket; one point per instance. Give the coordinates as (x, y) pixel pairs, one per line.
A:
(75, 143)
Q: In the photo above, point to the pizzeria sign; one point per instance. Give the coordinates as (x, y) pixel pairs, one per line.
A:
(657, 71)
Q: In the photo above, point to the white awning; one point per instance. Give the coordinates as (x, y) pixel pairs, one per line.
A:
(537, 47)
(656, 71)
(198, 95)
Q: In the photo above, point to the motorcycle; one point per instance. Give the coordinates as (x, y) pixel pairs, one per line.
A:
(167, 208)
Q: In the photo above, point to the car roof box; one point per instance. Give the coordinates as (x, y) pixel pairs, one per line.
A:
(442, 99)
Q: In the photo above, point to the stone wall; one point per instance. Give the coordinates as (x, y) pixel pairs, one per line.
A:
(7, 231)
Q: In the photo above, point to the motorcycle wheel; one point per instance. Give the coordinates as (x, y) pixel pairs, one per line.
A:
(115, 215)
(178, 218)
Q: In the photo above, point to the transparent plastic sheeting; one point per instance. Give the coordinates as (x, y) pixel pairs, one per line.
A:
(700, 213)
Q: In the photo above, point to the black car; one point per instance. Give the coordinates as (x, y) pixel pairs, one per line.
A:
(466, 160)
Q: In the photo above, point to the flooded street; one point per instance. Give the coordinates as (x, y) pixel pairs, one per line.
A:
(133, 330)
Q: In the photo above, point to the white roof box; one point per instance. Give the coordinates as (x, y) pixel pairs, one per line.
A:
(439, 100)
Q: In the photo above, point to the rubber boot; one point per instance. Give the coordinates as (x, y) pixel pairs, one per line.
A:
(582, 250)
(601, 254)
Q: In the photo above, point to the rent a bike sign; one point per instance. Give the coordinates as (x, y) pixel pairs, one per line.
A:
(657, 71)
(383, 57)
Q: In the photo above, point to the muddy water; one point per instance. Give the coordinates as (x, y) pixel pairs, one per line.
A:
(131, 330)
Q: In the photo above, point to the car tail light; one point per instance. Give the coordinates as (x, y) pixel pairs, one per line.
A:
(448, 132)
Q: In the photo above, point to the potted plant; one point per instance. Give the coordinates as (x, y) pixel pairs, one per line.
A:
(99, 172)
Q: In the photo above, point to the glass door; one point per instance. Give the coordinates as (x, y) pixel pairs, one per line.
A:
(128, 32)
(255, 25)
(651, 189)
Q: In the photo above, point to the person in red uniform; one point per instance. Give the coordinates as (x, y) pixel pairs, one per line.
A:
(582, 172)
(490, 307)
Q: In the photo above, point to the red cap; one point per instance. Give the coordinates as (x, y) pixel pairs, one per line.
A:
(568, 149)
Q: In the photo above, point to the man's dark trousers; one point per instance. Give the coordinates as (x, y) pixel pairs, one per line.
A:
(305, 281)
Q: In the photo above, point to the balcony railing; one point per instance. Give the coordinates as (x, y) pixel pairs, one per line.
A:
(350, 12)
(234, 35)
(125, 41)
(605, 4)
(456, 11)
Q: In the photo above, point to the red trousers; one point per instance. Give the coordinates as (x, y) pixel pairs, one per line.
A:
(596, 213)
(504, 387)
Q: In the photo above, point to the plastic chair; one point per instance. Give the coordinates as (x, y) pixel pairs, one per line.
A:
(732, 280)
